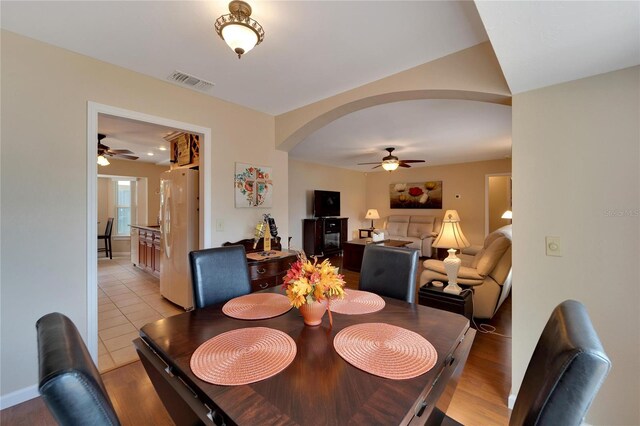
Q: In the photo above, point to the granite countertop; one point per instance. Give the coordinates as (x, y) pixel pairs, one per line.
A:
(147, 227)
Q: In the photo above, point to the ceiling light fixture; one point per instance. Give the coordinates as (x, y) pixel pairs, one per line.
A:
(390, 165)
(162, 148)
(102, 160)
(150, 154)
(238, 30)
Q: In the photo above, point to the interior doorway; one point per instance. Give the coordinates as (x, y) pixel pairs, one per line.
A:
(497, 201)
(94, 110)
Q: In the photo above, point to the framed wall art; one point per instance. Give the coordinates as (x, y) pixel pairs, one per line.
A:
(253, 186)
(419, 195)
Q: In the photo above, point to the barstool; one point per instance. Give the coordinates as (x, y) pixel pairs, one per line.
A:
(107, 239)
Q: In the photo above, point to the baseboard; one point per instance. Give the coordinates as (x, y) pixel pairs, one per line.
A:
(19, 396)
(511, 401)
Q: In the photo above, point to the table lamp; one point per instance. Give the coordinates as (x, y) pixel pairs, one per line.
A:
(372, 214)
(507, 215)
(451, 237)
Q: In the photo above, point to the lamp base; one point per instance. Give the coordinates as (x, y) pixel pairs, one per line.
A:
(452, 266)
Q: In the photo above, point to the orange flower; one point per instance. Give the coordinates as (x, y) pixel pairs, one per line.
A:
(306, 281)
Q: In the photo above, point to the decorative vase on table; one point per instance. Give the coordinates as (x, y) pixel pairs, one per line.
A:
(312, 313)
(309, 286)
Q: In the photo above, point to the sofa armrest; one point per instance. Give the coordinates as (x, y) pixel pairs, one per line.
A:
(471, 250)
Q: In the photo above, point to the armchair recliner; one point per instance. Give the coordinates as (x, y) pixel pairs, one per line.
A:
(488, 272)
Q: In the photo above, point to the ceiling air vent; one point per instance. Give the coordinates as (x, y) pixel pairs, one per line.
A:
(190, 81)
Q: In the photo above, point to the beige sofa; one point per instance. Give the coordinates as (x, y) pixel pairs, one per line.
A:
(488, 272)
(419, 230)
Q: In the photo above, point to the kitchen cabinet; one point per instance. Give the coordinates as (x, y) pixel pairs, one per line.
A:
(149, 249)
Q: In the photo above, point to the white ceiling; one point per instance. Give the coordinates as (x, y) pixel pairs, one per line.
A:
(312, 49)
(141, 138)
(437, 131)
(316, 49)
(540, 43)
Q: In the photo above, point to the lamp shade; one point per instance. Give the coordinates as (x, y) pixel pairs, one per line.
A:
(390, 165)
(507, 215)
(451, 235)
(372, 214)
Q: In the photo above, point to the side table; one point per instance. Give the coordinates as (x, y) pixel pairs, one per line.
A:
(434, 297)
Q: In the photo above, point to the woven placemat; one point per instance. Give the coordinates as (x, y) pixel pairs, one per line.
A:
(357, 302)
(257, 306)
(385, 350)
(243, 356)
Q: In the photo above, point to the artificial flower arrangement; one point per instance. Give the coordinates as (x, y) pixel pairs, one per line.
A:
(307, 281)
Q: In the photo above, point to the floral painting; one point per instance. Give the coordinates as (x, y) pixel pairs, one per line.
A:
(421, 195)
(253, 186)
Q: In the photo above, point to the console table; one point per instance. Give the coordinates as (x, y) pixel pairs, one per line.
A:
(354, 250)
(267, 272)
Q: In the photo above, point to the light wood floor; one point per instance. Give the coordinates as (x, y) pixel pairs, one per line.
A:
(480, 398)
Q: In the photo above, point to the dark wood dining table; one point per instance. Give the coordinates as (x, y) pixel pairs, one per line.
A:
(318, 387)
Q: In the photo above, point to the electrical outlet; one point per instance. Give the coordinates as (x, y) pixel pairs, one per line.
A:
(553, 246)
(219, 225)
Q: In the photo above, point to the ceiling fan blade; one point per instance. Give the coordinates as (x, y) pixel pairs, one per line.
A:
(412, 161)
(102, 146)
(128, 157)
(401, 164)
(121, 151)
(379, 165)
(366, 164)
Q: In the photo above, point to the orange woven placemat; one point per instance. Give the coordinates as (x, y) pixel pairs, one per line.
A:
(257, 306)
(243, 356)
(357, 302)
(385, 350)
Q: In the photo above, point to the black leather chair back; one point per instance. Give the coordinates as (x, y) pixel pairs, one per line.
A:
(565, 372)
(389, 271)
(218, 275)
(69, 381)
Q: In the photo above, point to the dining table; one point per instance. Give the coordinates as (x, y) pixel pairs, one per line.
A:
(318, 386)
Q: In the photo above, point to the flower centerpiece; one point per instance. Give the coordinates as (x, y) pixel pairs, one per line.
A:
(310, 285)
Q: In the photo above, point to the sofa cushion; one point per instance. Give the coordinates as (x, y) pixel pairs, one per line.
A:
(419, 230)
(489, 256)
(398, 229)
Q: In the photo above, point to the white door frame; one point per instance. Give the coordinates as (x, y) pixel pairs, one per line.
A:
(486, 198)
(93, 109)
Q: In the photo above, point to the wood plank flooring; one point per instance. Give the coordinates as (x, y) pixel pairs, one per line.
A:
(480, 398)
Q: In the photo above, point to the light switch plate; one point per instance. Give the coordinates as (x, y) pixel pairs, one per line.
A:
(219, 225)
(553, 245)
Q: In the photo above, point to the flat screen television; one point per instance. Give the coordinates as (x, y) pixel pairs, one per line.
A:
(326, 203)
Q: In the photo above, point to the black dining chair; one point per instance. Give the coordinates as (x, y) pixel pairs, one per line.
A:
(107, 239)
(219, 274)
(69, 380)
(565, 372)
(389, 271)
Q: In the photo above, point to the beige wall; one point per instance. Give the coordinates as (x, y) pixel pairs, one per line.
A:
(499, 199)
(44, 92)
(576, 162)
(472, 74)
(305, 177)
(464, 179)
(140, 169)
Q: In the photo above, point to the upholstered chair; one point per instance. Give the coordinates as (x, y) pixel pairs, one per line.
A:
(564, 374)
(488, 272)
(389, 271)
(219, 274)
(70, 384)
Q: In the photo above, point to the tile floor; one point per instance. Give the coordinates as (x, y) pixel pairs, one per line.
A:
(128, 298)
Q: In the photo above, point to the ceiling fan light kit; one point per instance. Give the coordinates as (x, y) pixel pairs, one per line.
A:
(238, 29)
(102, 160)
(391, 162)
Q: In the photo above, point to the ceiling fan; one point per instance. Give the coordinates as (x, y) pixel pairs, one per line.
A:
(104, 150)
(391, 162)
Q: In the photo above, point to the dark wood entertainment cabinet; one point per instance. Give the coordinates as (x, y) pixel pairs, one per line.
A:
(324, 236)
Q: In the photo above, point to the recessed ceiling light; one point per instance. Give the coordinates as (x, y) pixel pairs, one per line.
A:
(150, 154)
(162, 148)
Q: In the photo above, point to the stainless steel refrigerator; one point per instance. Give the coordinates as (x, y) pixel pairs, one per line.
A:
(179, 224)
